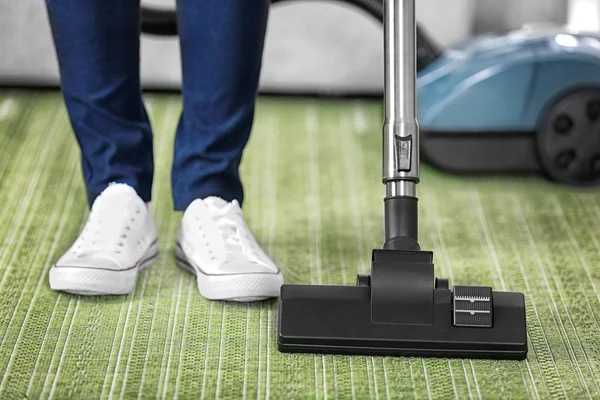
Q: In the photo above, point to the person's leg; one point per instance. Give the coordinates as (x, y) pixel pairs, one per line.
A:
(97, 44)
(221, 45)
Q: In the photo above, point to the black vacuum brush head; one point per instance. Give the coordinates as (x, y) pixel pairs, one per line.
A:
(399, 310)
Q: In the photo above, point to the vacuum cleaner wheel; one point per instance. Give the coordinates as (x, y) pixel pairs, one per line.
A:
(568, 139)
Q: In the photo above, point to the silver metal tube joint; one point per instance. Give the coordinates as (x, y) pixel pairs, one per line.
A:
(400, 188)
(400, 129)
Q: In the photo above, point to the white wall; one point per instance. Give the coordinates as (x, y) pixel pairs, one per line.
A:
(498, 15)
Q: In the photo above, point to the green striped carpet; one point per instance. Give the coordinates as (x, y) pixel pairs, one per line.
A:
(312, 175)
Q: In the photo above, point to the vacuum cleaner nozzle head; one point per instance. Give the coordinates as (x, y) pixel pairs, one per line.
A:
(401, 310)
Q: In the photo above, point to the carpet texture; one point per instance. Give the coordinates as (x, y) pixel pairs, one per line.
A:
(314, 200)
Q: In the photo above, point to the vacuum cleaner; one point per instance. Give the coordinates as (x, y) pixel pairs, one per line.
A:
(541, 119)
(400, 309)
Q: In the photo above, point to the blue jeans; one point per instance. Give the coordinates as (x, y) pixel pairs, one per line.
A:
(97, 43)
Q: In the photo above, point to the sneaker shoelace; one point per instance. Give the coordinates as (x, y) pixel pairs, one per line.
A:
(238, 244)
(106, 231)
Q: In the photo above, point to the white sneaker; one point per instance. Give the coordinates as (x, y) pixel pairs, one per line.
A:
(215, 244)
(118, 240)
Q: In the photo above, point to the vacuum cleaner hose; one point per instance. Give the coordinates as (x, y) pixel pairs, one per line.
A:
(163, 22)
(160, 22)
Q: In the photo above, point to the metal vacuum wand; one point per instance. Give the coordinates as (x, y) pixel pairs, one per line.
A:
(399, 309)
(400, 128)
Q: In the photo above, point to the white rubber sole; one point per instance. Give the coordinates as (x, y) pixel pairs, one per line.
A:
(95, 282)
(233, 287)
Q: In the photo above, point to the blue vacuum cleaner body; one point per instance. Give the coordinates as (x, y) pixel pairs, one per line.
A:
(528, 101)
